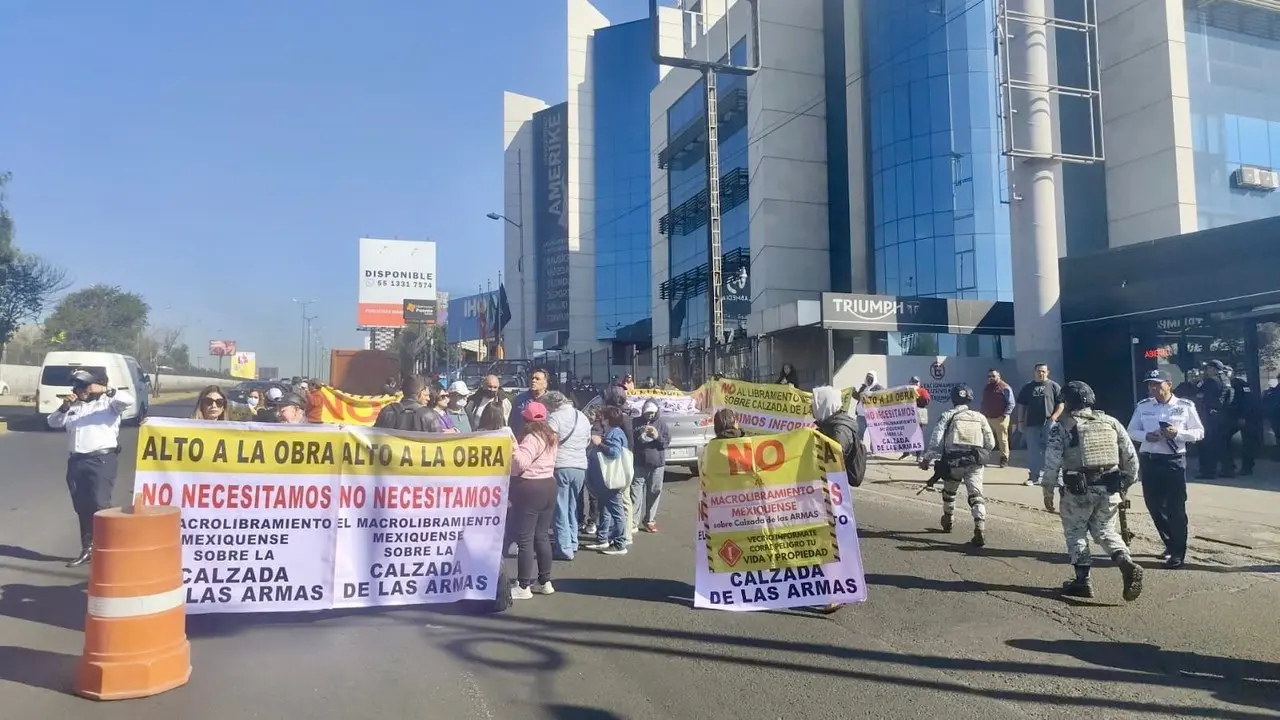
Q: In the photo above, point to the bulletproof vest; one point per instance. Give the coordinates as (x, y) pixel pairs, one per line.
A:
(1092, 445)
(965, 431)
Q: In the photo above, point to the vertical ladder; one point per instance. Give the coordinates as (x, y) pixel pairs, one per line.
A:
(715, 279)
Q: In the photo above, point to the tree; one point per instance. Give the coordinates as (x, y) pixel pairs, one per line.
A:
(99, 318)
(423, 352)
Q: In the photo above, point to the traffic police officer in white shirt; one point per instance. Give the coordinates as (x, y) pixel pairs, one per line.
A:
(91, 416)
(1162, 425)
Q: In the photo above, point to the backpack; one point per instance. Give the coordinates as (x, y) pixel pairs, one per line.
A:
(963, 449)
(410, 418)
(1092, 445)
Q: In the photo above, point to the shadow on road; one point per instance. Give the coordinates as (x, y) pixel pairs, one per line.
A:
(577, 712)
(649, 589)
(57, 605)
(927, 541)
(38, 668)
(487, 643)
(21, 553)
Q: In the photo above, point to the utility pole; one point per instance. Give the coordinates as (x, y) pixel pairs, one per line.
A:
(306, 334)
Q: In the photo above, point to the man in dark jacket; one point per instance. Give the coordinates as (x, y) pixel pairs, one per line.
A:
(650, 443)
(412, 412)
(1215, 400)
(835, 423)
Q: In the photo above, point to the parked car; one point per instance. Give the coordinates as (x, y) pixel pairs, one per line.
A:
(122, 371)
(690, 433)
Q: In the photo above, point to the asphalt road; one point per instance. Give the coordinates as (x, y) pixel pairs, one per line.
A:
(947, 633)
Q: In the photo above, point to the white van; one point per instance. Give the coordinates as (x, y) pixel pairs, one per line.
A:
(123, 373)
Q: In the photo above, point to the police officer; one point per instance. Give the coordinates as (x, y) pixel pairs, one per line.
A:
(91, 416)
(1098, 465)
(1244, 415)
(1215, 398)
(960, 444)
(1162, 425)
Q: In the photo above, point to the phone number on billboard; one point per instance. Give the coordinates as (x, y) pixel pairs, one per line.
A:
(404, 284)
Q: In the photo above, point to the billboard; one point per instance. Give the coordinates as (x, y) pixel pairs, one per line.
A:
(244, 365)
(470, 317)
(392, 271)
(222, 348)
(551, 217)
(422, 312)
(266, 372)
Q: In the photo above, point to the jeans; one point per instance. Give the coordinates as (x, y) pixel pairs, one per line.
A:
(613, 517)
(569, 483)
(1036, 436)
(646, 491)
(535, 506)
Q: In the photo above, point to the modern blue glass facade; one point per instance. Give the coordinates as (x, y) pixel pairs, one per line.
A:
(1232, 53)
(624, 74)
(939, 214)
(685, 224)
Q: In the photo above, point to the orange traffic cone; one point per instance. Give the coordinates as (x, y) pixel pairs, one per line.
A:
(135, 631)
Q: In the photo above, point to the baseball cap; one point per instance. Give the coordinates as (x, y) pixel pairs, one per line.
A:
(534, 412)
(915, 380)
(274, 394)
(294, 400)
(1216, 365)
(459, 387)
(1158, 376)
(88, 377)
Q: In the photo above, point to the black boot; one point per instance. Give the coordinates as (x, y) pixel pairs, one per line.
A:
(83, 558)
(1132, 575)
(1080, 586)
(946, 522)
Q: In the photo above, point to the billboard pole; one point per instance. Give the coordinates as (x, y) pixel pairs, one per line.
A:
(302, 357)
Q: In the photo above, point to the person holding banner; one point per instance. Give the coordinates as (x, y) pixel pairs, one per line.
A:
(958, 449)
(836, 424)
(533, 494)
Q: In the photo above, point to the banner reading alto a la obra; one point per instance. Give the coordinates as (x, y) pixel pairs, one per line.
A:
(776, 526)
(892, 421)
(298, 517)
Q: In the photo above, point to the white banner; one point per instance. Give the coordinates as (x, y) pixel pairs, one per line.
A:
(311, 517)
(392, 271)
(892, 423)
(776, 527)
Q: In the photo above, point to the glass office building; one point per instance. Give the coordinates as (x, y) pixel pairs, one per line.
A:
(684, 159)
(939, 199)
(624, 75)
(1232, 51)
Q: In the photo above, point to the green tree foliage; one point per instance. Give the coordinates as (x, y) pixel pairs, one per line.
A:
(27, 283)
(99, 318)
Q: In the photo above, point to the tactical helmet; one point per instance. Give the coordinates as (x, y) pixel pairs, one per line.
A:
(1077, 395)
(961, 395)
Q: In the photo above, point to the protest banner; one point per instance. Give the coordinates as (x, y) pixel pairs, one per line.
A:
(761, 407)
(775, 525)
(312, 517)
(331, 406)
(892, 423)
(670, 402)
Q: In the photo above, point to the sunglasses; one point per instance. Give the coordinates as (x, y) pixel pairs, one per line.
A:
(214, 402)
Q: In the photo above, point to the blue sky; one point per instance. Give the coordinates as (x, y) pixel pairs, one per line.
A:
(223, 158)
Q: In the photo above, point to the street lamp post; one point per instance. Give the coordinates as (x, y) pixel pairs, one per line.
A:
(306, 333)
(524, 328)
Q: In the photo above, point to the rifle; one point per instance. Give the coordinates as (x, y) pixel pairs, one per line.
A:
(1125, 533)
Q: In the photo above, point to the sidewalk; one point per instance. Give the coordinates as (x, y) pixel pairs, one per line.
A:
(1241, 518)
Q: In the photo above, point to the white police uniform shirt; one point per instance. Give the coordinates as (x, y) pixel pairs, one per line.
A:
(1179, 413)
(93, 426)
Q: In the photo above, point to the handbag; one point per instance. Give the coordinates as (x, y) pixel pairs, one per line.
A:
(617, 471)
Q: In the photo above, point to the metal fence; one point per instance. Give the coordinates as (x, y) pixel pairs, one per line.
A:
(688, 366)
(598, 366)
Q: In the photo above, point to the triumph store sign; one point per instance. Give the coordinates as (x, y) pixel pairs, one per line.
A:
(887, 313)
(551, 217)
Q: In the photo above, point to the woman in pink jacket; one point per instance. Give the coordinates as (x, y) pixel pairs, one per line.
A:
(533, 496)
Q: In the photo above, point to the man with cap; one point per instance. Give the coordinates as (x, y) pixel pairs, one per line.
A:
(1162, 425)
(291, 409)
(1098, 464)
(456, 410)
(91, 417)
(1216, 396)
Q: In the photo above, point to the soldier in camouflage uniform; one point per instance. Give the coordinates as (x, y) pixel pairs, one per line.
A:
(1099, 464)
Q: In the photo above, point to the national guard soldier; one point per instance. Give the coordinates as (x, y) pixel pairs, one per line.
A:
(960, 444)
(1164, 424)
(91, 417)
(1098, 465)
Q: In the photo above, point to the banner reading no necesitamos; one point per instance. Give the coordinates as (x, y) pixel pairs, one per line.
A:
(307, 517)
(892, 423)
(776, 527)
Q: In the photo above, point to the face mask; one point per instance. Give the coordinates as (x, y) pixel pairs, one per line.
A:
(253, 402)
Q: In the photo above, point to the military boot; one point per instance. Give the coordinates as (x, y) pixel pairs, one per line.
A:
(946, 522)
(1132, 574)
(1080, 587)
(979, 537)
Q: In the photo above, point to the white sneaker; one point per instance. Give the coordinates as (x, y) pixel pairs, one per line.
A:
(598, 546)
(545, 588)
(520, 593)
